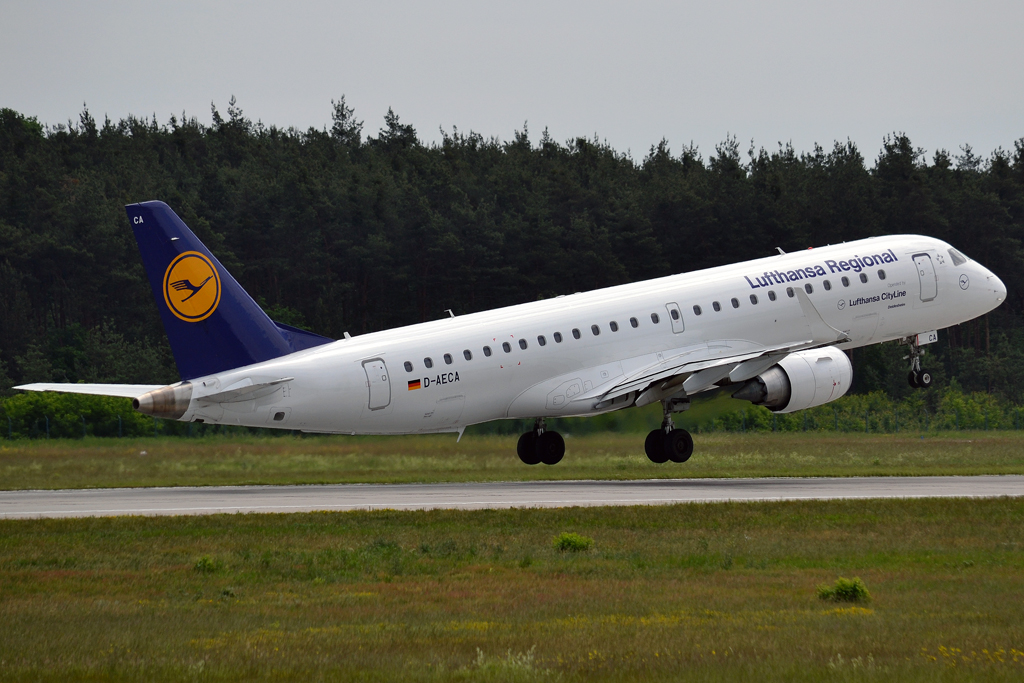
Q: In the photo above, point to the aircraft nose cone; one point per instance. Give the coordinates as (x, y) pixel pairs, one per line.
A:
(999, 288)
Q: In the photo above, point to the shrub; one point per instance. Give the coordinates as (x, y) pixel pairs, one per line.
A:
(845, 590)
(572, 543)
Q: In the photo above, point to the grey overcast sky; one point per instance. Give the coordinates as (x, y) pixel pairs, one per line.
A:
(946, 73)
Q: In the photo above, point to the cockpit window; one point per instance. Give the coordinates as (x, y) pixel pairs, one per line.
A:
(958, 258)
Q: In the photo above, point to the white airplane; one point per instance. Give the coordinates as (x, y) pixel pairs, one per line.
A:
(775, 329)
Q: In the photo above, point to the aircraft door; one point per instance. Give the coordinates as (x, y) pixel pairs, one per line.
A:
(676, 316)
(926, 273)
(378, 383)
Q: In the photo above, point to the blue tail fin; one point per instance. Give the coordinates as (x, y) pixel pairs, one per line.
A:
(211, 323)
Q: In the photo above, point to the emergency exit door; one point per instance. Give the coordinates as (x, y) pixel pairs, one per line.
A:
(926, 274)
(378, 383)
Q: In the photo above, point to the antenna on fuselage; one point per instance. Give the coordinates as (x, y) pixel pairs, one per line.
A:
(450, 313)
(779, 249)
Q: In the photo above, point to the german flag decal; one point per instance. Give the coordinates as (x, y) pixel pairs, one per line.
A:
(414, 384)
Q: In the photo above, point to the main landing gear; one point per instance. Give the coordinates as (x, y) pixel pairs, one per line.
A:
(917, 377)
(541, 446)
(668, 442)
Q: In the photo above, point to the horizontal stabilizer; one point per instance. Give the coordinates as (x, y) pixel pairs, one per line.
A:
(120, 390)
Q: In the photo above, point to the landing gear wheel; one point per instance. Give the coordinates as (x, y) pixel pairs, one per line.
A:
(550, 447)
(678, 445)
(912, 380)
(655, 447)
(527, 449)
(924, 379)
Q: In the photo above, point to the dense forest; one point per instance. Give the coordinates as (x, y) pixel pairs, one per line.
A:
(336, 231)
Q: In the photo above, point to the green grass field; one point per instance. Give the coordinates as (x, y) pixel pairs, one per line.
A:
(684, 592)
(46, 464)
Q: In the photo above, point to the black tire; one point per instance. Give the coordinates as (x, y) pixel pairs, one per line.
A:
(527, 449)
(678, 445)
(912, 380)
(550, 448)
(655, 447)
(924, 379)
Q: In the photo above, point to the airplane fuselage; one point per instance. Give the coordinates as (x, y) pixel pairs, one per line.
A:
(562, 356)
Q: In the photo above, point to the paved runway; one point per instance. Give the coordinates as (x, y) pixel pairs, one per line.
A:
(217, 499)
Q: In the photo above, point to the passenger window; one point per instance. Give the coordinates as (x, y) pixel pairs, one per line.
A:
(655, 319)
(864, 277)
(506, 347)
(467, 354)
(846, 281)
(447, 359)
(696, 310)
(881, 274)
(674, 313)
(614, 326)
(753, 299)
(634, 322)
(958, 258)
(487, 351)
(522, 344)
(427, 362)
(771, 295)
(717, 306)
(827, 285)
(735, 302)
(790, 293)
(809, 288)
(595, 329)
(408, 366)
(558, 337)
(541, 340)
(575, 333)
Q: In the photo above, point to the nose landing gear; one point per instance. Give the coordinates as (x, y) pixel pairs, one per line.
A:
(918, 378)
(541, 446)
(669, 442)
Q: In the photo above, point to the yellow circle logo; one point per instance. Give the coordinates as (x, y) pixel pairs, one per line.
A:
(192, 287)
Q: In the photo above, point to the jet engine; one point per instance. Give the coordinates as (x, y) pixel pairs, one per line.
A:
(800, 380)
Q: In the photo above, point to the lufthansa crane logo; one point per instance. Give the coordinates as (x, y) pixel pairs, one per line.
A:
(192, 287)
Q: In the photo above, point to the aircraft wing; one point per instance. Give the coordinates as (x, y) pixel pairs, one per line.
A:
(666, 370)
(120, 390)
(692, 370)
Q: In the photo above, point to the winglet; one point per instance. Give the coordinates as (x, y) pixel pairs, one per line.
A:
(821, 331)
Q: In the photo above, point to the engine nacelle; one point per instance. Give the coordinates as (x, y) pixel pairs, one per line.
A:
(800, 380)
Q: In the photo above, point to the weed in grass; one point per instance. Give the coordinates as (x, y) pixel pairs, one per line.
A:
(446, 548)
(571, 542)
(840, 663)
(511, 668)
(845, 590)
(206, 565)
